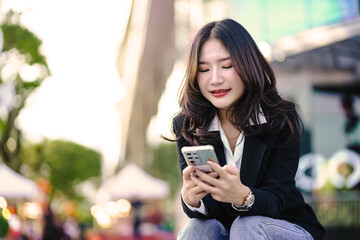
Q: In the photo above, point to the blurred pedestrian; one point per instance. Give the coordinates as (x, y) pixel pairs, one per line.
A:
(137, 205)
(229, 100)
(52, 227)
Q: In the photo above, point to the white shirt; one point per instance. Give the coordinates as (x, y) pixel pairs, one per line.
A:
(233, 159)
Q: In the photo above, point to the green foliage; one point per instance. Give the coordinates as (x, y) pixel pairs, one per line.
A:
(32, 156)
(64, 163)
(31, 85)
(83, 214)
(166, 166)
(21, 48)
(4, 226)
(70, 163)
(18, 37)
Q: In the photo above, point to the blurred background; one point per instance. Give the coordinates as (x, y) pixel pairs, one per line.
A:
(88, 87)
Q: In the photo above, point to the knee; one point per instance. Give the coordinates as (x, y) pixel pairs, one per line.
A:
(202, 229)
(246, 224)
(191, 226)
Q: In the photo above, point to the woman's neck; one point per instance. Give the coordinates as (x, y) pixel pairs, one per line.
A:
(222, 116)
(231, 131)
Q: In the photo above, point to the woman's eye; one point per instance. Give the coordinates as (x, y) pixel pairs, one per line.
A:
(227, 67)
(203, 70)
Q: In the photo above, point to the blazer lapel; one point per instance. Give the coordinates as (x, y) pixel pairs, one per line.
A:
(253, 154)
(219, 150)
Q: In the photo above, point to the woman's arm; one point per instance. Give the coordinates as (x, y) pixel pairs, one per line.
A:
(274, 189)
(190, 190)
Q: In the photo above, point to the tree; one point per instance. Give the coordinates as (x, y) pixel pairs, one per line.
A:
(21, 52)
(66, 164)
(60, 168)
(70, 164)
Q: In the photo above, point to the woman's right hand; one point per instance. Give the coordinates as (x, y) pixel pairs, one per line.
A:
(191, 193)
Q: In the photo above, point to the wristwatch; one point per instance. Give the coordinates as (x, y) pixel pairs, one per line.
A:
(249, 201)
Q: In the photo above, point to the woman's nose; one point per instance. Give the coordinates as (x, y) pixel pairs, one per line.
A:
(216, 77)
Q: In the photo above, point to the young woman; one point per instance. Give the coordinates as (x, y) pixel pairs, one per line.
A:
(229, 100)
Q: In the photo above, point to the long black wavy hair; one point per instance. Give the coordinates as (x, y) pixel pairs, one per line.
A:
(260, 90)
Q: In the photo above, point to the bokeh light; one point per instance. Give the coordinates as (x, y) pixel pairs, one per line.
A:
(6, 213)
(32, 210)
(103, 213)
(3, 202)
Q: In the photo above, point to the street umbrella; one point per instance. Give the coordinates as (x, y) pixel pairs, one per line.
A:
(133, 183)
(16, 186)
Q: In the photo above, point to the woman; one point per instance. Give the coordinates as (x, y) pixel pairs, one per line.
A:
(229, 100)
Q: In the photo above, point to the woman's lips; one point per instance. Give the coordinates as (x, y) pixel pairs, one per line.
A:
(220, 92)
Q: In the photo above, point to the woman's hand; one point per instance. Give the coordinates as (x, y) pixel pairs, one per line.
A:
(191, 193)
(227, 188)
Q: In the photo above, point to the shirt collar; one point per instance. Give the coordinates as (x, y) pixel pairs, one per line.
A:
(215, 123)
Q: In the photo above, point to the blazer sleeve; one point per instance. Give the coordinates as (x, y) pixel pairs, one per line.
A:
(214, 208)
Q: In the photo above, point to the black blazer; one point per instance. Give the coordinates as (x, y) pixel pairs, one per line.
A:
(269, 171)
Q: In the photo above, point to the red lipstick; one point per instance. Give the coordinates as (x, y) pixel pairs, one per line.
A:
(220, 92)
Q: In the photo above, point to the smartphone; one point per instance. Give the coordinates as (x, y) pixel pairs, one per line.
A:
(199, 155)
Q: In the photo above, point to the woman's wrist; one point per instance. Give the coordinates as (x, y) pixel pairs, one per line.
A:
(241, 200)
(188, 202)
(194, 205)
(247, 204)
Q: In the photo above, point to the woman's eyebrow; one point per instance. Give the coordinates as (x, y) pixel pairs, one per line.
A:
(219, 60)
(224, 59)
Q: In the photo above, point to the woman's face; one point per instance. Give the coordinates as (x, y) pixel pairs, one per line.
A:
(218, 80)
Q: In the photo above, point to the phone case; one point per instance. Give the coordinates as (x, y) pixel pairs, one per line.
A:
(199, 155)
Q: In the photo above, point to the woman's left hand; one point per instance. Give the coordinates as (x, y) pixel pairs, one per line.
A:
(227, 188)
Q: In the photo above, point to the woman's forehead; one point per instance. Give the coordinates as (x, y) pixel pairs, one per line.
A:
(213, 49)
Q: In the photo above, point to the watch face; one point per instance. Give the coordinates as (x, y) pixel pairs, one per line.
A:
(250, 201)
